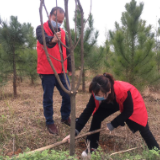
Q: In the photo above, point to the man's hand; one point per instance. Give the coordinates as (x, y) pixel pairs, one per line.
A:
(55, 39)
(67, 138)
(69, 73)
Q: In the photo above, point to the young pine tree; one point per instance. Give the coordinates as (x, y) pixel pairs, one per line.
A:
(133, 43)
(14, 38)
(3, 68)
(157, 46)
(92, 54)
(28, 64)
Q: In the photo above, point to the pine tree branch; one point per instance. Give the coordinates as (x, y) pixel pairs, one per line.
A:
(144, 73)
(122, 64)
(122, 53)
(148, 51)
(95, 63)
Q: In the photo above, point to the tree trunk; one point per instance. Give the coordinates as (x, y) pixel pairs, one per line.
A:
(21, 79)
(32, 81)
(83, 81)
(74, 89)
(14, 76)
(158, 63)
(131, 77)
(73, 118)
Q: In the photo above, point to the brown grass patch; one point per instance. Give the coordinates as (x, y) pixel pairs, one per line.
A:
(22, 123)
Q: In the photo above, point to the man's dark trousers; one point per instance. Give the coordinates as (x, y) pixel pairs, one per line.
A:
(49, 81)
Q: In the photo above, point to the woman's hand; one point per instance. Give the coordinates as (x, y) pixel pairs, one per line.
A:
(67, 138)
(107, 129)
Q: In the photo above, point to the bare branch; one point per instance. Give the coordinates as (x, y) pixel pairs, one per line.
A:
(90, 133)
(81, 35)
(124, 151)
(61, 54)
(53, 28)
(56, 17)
(59, 46)
(45, 9)
(84, 22)
(75, 37)
(67, 22)
(55, 58)
(67, 57)
(63, 142)
(65, 77)
(77, 43)
(82, 46)
(72, 97)
(45, 48)
(78, 137)
(71, 47)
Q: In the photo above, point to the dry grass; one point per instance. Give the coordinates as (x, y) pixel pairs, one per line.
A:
(22, 123)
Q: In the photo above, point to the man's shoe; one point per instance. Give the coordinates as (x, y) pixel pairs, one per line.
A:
(85, 153)
(67, 122)
(52, 128)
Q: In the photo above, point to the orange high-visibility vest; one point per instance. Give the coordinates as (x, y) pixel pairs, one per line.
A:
(43, 66)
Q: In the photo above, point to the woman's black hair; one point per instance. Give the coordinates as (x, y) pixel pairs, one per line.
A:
(103, 83)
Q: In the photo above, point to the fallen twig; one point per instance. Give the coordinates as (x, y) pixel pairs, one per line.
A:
(63, 142)
(124, 151)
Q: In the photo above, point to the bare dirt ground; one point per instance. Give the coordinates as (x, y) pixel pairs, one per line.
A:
(22, 124)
